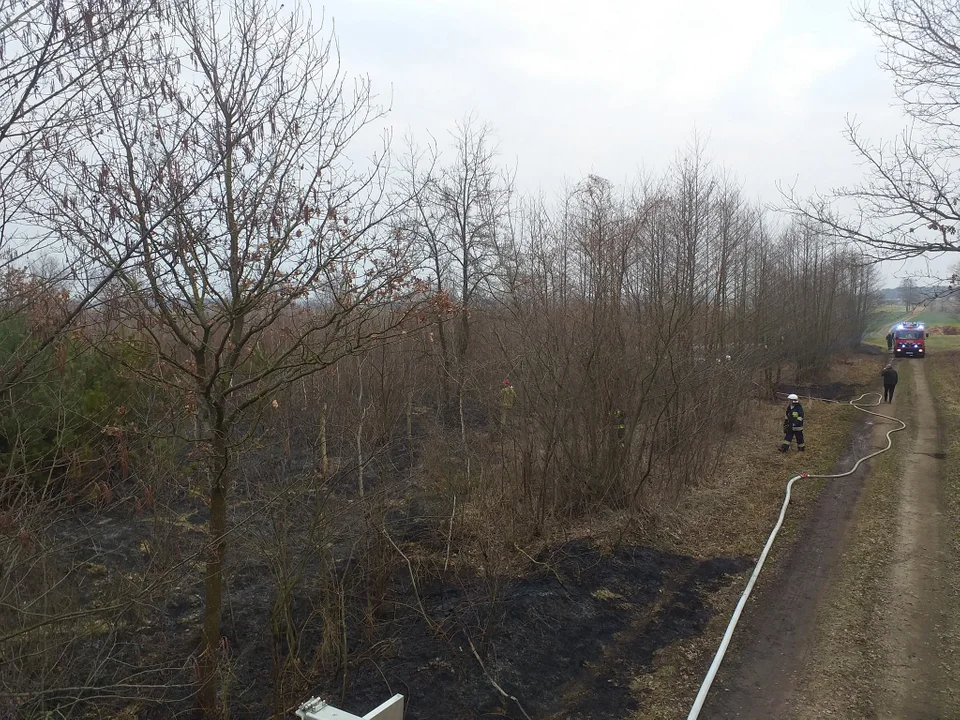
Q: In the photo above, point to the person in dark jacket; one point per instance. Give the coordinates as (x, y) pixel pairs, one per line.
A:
(508, 396)
(890, 379)
(620, 424)
(793, 425)
(890, 340)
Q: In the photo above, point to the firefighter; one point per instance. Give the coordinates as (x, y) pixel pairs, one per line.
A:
(890, 340)
(890, 379)
(508, 397)
(619, 425)
(793, 424)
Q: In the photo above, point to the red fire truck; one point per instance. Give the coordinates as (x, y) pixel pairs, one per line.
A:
(908, 339)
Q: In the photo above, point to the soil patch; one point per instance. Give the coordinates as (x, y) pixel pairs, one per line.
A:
(829, 391)
(943, 330)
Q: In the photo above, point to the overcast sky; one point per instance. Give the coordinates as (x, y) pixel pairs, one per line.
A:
(614, 87)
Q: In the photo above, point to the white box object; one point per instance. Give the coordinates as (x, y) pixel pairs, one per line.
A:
(392, 709)
(318, 709)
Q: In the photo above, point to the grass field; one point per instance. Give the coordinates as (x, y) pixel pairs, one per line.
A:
(886, 315)
(935, 317)
(889, 314)
(945, 384)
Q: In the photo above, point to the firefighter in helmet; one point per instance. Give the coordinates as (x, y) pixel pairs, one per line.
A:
(620, 425)
(793, 424)
(508, 396)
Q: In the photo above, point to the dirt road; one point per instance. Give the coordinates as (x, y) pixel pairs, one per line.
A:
(915, 607)
(883, 654)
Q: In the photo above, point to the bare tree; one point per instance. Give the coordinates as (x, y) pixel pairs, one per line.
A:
(474, 194)
(52, 55)
(909, 294)
(261, 256)
(459, 218)
(908, 203)
(632, 311)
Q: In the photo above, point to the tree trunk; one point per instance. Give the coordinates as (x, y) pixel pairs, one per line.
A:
(324, 463)
(360, 452)
(363, 416)
(444, 364)
(463, 434)
(410, 426)
(213, 602)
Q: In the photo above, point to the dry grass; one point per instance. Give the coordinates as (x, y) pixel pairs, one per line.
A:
(843, 682)
(942, 343)
(752, 475)
(944, 377)
(732, 514)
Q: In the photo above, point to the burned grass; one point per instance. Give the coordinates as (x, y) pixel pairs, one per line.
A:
(828, 391)
(565, 630)
(565, 640)
(868, 348)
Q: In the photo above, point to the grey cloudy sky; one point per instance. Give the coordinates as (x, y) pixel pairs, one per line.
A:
(614, 87)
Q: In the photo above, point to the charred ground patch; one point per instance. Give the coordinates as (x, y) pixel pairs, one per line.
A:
(828, 391)
(565, 640)
(566, 633)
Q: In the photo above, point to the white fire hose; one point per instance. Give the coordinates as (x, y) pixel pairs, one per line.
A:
(732, 625)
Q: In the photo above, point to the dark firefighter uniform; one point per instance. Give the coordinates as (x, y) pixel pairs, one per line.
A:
(620, 425)
(793, 426)
(508, 396)
(890, 379)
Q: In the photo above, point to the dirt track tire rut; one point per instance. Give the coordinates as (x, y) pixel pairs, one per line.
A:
(915, 605)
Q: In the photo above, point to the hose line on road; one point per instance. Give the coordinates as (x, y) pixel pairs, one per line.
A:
(734, 619)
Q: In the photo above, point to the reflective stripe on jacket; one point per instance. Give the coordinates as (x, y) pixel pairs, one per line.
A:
(795, 416)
